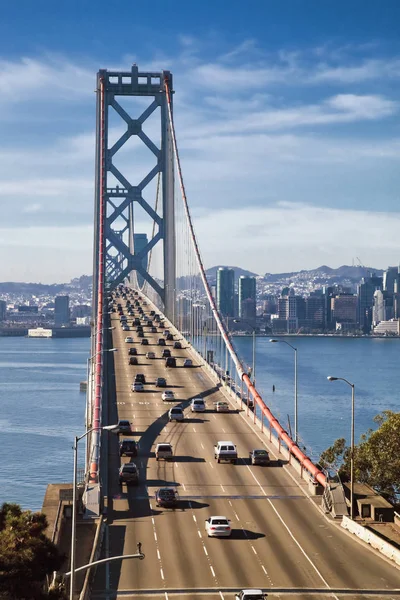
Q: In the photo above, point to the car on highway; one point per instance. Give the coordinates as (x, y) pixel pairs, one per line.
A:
(133, 360)
(139, 328)
(188, 363)
(165, 332)
(128, 448)
(128, 339)
(132, 351)
(140, 334)
(169, 337)
(166, 353)
(197, 405)
(153, 329)
(166, 497)
(123, 426)
(221, 406)
(168, 395)
(176, 414)
(218, 526)
(129, 474)
(164, 450)
(144, 342)
(161, 382)
(137, 386)
(170, 362)
(177, 345)
(140, 377)
(161, 325)
(150, 355)
(252, 594)
(259, 457)
(161, 342)
(125, 328)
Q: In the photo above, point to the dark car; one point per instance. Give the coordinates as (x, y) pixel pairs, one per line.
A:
(128, 473)
(140, 334)
(133, 360)
(128, 448)
(166, 353)
(152, 313)
(161, 325)
(149, 323)
(136, 321)
(259, 457)
(161, 342)
(170, 337)
(139, 328)
(170, 362)
(161, 382)
(132, 351)
(140, 377)
(144, 342)
(177, 345)
(166, 497)
(153, 329)
(124, 426)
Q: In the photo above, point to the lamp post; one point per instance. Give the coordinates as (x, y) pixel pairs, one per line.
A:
(330, 378)
(74, 485)
(254, 346)
(295, 386)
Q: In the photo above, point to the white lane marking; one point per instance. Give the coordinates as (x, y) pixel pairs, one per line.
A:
(230, 502)
(205, 550)
(202, 446)
(264, 569)
(254, 550)
(222, 487)
(194, 429)
(222, 596)
(211, 465)
(158, 554)
(162, 574)
(291, 534)
(183, 485)
(194, 518)
(199, 532)
(155, 536)
(212, 571)
(166, 596)
(237, 517)
(224, 430)
(152, 520)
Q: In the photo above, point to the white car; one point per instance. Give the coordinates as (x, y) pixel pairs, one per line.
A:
(168, 395)
(129, 340)
(176, 414)
(222, 407)
(218, 526)
(197, 405)
(150, 355)
(137, 387)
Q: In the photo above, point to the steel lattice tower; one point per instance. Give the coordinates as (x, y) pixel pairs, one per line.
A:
(114, 257)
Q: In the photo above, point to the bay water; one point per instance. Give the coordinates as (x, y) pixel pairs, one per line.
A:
(42, 409)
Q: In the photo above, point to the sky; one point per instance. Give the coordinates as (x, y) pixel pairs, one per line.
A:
(286, 112)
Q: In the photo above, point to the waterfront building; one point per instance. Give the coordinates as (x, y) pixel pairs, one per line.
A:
(3, 310)
(391, 280)
(247, 299)
(365, 294)
(383, 307)
(315, 310)
(344, 308)
(387, 327)
(140, 241)
(226, 291)
(61, 311)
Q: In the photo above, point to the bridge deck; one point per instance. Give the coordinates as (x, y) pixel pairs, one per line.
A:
(279, 539)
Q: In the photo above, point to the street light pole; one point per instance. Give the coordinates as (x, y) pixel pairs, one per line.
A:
(295, 386)
(74, 486)
(330, 378)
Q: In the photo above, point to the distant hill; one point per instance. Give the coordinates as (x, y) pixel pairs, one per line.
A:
(239, 272)
(326, 274)
(82, 283)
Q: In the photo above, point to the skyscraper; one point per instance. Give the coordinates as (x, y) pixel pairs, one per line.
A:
(61, 311)
(140, 241)
(226, 291)
(365, 293)
(390, 279)
(247, 299)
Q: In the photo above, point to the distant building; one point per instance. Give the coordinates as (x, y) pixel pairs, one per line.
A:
(80, 311)
(140, 241)
(388, 327)
(365, 293)
(391, 280)
(344, 309)
(25, 308)
(315, 310)
(383, 307)
(3, 310)
(247, 299)
(61, 311)
(226, 291)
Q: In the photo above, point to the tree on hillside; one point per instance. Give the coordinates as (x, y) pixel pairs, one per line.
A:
(27, 556)
(376, 457)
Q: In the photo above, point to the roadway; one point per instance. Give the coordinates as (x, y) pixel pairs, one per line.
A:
(280, 539)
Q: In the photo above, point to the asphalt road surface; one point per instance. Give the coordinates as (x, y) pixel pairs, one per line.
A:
(280, 540)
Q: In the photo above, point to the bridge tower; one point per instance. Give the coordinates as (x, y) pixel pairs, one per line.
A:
(115, 258)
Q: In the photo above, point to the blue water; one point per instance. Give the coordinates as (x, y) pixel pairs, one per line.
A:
(41, 412)
(324, 408)
(42, 409)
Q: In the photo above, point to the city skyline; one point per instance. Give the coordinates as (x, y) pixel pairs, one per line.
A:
(287, 130)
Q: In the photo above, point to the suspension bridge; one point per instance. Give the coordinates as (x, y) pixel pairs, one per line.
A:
(147, 260)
